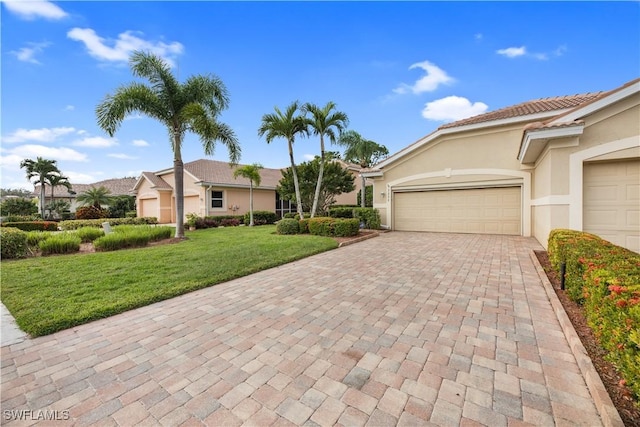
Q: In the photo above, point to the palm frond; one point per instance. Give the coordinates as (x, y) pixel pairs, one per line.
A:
(135, 97)
(211, 131)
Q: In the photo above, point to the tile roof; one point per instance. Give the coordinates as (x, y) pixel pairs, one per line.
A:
(221, 173)
(156, 181)
(542, 105)
(117, 186)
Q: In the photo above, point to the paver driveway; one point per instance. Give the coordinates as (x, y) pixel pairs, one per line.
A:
(406, 328)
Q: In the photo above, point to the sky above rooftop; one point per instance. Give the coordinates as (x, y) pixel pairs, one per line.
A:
(397, 69)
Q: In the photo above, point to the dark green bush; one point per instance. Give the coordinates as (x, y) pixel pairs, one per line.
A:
(304, 226)
(33, 225)
(306, 215)
(261, 217)
(369, 216)
(289, 215)
(62, 243)
(346, 227)
(79, 223)
(341, 212)
(13, 243)
(334, 227)
(321, 226)
(604, 278)
(288, 226)
(18, 206)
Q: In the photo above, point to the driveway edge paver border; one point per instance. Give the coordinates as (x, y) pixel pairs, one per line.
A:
(604, 405)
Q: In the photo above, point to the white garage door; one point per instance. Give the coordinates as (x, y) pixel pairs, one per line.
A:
(479, 210)
(149, 207)
(612, 202)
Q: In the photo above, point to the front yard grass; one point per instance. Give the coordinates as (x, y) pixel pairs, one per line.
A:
(47, 294)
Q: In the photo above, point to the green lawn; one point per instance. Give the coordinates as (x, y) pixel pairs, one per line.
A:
(47, 294)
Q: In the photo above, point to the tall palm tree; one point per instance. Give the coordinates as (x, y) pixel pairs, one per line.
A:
(286, 125)
(324, 122)
(95, 196)
(192, 106)
(57, 180)
(41, 169)
(252, 173)
(363, 152)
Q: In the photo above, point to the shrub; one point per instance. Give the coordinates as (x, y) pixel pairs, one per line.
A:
(79, 223)
(230, 222)
(33, 225)
(306, 215)
(91, 212)
(346, 227)
(261, 217)
(13, 243)
(304, 226)
(115, 241)
(22, 218)
(320, 226)
(369, 216)
(89, 234)
(62, 243)
(604, 278)
(18, 206)
(289, 215)
(131, 214)
(288, 226)
(341, 212)
(35, 237)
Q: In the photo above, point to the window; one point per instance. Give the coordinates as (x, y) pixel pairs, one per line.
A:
(217, 199)
(284, 206)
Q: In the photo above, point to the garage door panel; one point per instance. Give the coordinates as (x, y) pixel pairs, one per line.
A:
(481, 211)
(611, 198)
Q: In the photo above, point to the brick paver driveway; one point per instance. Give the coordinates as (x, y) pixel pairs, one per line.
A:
(406, 328)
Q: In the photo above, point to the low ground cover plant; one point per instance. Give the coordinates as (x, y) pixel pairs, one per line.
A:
(89, 234)
(48, 294)
(74, 224)
(603, 278)
(60, 243)
(131, 236)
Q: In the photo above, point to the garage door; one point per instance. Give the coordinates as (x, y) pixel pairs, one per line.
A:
(192, 205)
(612, 202)
(149, 207)
(480, 210)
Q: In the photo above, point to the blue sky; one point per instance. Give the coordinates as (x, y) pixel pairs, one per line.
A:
(397, 69)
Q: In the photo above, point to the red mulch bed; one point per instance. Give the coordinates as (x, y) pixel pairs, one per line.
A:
(620, 395)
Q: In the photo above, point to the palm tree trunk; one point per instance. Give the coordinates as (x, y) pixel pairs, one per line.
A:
(296, 185)
(316, 196)
(178, 172)
(250, 203)
(363, 193)
(42, 196)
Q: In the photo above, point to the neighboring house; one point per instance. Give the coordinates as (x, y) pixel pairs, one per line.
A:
(352, 197)
(117, 187)
(564, 162)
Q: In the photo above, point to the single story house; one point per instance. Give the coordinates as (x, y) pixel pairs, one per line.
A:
(210, 189)
(117, 187)
(562, 162)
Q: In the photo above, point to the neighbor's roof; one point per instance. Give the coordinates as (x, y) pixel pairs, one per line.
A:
(117, 187)
(221, 173)
(156, 181)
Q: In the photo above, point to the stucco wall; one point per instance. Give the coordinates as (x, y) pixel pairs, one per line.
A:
(263, 200)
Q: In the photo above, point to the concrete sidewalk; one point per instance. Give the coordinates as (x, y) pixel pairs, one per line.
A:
(403, 329)
(10, 332)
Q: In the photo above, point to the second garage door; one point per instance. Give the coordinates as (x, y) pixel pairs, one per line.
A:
(478, 210)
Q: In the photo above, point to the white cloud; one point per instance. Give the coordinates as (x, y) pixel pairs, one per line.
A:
(140, 143)
(28, 54)
(70, 108)
(428, 83)
(80, 178)
(452, 108)
(34, 9)
(120, 50)
(31, 151)
(478, 36)
(40, 135)
(512, 52)
(96, 142)
(560, 50)
(121, 156)
(308, 157)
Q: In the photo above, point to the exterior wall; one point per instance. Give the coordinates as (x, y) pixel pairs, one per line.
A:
(236, 201)
(352, 197)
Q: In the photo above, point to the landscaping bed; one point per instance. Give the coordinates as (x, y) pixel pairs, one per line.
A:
(620, 394)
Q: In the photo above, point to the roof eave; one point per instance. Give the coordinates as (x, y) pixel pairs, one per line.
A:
(534, 141)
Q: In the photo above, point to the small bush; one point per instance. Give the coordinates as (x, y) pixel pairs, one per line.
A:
(341, 212)
(604, 278)
(261, 217)
(89, 234)
(79, 223)
(369, 216)
(35, 237)
(304, 226)
(321, 226)
(305, 215)
(13, 243)
(230, 222)
(62, 243)
(346, 227)
(289, 215)
(131, 214)
(22, 218)
(288, 226)
(91, 212)
(33, 225)
(122, 240)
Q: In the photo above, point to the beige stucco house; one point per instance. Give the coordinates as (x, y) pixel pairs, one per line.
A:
(564, 162)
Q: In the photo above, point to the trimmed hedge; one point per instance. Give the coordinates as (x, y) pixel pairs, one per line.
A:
(369, 216)
(288, 226)
(33, 225)
(604, 278)
(304, 226)
(13, 243)
(344, 212)
(261, 218)
(74, 224)
(333, 227)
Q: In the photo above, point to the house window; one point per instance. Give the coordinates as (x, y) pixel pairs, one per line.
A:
(217, 199)
(284, 206)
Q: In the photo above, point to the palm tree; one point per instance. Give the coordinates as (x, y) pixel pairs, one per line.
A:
(363, 152)
(287, 126)
(252, 173)
(95, 196)
(323, 121)
(191, 106)
(57, 180)
(41, 169)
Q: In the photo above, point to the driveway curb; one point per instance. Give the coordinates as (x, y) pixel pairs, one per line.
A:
(359, 239)
(604, 405)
